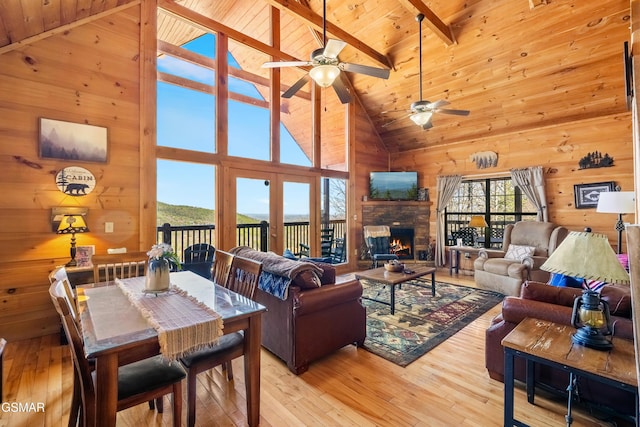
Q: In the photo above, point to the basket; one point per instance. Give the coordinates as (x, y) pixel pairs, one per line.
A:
(395, 268)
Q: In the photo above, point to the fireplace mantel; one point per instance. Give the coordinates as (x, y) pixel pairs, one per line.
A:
(396, 203)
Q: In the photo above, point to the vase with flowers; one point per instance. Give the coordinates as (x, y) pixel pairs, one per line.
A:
(161, 258)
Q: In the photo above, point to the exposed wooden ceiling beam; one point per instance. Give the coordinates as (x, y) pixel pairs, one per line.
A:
(314, 20)
(205, 62)
(317, 35)
(434, 23)
(208, 24)
(67, 27)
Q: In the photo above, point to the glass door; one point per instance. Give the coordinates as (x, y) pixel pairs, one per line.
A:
(253, 212)
(272, 211)
(296, 217)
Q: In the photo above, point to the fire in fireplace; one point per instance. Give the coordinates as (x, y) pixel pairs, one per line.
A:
(402, 242)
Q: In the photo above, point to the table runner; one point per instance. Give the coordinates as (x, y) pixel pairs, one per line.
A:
(183, 323)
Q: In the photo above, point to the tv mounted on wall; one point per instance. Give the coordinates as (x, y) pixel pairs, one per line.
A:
(393, 185)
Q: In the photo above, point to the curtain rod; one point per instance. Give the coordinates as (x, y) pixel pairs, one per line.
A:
(504, 174)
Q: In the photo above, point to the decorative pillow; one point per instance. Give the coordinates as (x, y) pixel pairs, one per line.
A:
(519, 252)
(307, 279)
(328, 272)
(289, 255)
(595, 285)
(563, 281)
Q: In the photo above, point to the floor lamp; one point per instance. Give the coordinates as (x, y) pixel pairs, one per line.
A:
(619, 202)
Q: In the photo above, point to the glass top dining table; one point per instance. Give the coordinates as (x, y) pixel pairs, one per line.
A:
(115, 333)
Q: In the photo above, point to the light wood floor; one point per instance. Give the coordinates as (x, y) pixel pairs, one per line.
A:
(448, 386)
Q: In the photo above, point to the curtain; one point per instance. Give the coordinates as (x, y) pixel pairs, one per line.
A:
(446, 187)
(531, 182)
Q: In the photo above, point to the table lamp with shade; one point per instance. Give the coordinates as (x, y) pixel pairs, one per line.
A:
(620, 202)
(72, 224)
(478, 221)
(588, 256)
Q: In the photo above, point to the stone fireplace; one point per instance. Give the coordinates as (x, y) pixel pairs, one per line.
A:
(408, 219)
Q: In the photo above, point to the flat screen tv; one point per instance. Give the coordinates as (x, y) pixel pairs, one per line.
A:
(393, 185)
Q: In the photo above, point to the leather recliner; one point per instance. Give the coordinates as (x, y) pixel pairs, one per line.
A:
(494, 272)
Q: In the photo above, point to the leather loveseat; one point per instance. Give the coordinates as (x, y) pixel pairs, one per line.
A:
(546, 302)
(311, 320)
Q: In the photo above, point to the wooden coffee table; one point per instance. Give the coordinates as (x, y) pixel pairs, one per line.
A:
(381, 275)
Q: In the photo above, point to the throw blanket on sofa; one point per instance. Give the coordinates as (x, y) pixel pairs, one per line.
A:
(282, 270)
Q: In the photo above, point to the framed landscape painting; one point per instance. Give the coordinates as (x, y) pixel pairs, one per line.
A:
(587, 195)
(72, 141)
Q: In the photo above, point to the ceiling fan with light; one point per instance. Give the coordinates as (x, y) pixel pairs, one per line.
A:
(326, 66)
(422, 111)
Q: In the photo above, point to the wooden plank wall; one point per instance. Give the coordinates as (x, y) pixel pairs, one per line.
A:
(91, 74)
(557, 149)
(88, 74)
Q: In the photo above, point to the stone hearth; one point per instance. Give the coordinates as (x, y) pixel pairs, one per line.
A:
(401, 214)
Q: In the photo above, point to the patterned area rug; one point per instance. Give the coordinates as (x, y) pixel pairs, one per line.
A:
(421, 321)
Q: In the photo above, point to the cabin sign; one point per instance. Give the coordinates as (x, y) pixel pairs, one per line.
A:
(75, 181)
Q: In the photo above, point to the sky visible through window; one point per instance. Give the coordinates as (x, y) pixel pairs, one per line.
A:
(186, 119)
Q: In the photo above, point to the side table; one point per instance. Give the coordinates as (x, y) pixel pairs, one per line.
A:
(549, 343)
(454, 255)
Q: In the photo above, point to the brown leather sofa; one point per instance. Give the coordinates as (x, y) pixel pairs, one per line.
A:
(311, 322)
(546, 302)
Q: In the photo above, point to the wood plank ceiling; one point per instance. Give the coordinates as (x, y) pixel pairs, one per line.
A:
(516, 65)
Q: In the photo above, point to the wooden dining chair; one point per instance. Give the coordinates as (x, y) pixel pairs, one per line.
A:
(121, 266)
(60, 274)
(138, 382)
(244, 276)
(221, 267)
(243, 279)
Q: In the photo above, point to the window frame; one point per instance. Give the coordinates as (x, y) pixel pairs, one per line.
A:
(518, 214)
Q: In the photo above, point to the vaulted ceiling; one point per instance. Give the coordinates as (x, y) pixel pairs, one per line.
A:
(517, 64)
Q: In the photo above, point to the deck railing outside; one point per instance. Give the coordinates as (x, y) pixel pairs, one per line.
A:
(255, 236)
(454, 221)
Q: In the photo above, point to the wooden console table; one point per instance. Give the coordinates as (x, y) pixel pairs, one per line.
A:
(549, 343)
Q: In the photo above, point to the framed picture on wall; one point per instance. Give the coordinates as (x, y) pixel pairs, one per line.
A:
(587, 195)
(84, 254)
(72, 141)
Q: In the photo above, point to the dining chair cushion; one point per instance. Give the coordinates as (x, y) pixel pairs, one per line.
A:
(224, 343)
(145, 375)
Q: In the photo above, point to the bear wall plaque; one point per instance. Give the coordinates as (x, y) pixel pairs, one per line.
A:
(75, 181)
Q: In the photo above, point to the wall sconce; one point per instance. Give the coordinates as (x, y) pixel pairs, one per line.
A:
(69, 221)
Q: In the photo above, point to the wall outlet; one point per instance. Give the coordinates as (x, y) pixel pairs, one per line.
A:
(108, 227)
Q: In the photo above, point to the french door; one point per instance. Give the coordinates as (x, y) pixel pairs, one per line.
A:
(272, 211)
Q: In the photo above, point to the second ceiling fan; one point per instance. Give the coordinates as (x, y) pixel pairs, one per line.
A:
(326, 66)
(422, 111)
